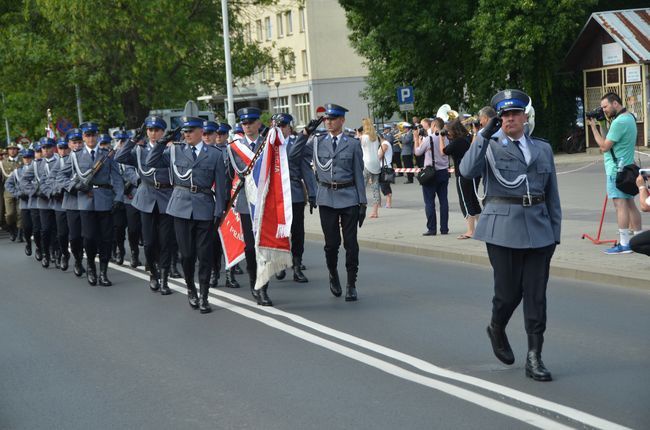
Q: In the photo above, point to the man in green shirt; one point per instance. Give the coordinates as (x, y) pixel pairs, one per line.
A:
(618, 149)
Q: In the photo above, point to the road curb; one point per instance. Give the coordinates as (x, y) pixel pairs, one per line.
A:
(482, 260)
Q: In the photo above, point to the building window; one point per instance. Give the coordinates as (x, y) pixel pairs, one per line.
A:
(303, 23)
(258, 29)
(280, 24)
(305, 63)
(267, 25)
(301, 109)
(291, 63)
(263, 79)
(289, 18)
(280, 104)
(270, 73)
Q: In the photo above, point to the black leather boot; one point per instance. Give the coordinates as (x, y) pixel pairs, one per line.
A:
(298, 276)
(119, 254)
(264, 299)
(255, 293)
(13, 233)
(281, 275)
(237, 270)
(135, 258)
(231, 282)
(192, 297)
(91, 275)
(37, 254)
(45, 259)
(173, 270)
(214, 278)
(154, 278)
(534, 365)
(21, 237)
(28, 246)
(351, 289)
(164, 282)
(78, 266)
(335, 283)
(65, 259)
(204, 304)
(302, 267)
(113, 251)
(57, 259)
(500, 344)
(103, 277)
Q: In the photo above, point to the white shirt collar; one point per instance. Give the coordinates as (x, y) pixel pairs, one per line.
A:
(249, 141)
(88, 149)
(338, 136)
(199, 147)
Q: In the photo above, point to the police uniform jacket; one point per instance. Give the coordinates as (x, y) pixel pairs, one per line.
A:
(346, 167)
(155, 183)
(508, 224)
(12, 185)
(300, 157)
(106, 187)
(54, 185)
(228, 182)
(131, 181)
(241, 205)
(63, 176)
(34, 182)
(192, 197)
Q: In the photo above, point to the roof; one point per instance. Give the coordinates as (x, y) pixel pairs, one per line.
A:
(629, 28)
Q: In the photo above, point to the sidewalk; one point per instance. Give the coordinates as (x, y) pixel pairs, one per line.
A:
(582, 190)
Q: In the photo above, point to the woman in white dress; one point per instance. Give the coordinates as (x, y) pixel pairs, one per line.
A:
(371, 166)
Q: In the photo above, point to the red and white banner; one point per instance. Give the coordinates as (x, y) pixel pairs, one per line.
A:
(231, 234)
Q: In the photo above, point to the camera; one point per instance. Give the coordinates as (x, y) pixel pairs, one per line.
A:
(444, 132)
(645, 173)
(422, 132)
(598, 114)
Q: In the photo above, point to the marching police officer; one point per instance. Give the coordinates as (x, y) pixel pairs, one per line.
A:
(341, 197)
(13, 185)
(520, 222)
(56, 192)
(196, 208)
(151, 199)
(70, 204)
(249, 118)
(302, 178)
(32, 203)
(9, 163)
(126, 216)
(99, 186)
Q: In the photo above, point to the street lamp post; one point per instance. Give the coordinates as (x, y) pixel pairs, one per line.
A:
(230, 112)
(277, 92)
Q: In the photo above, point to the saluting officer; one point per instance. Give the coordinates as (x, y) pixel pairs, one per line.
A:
(126, 216)
(151, 199)
(520, 222)
(9, 163)
(196, 208)
(99, 186)
(56, 191)
(341, 196)
(13, 185)
(303, 182)
(70, 204)
(249, 118)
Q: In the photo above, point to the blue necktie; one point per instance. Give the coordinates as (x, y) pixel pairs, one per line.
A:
(334, 139)
(517, 144)
(194, 152)
(92, 154)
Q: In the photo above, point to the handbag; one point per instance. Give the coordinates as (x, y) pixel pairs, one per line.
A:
(626, 178)
(387, 173)
(427, 175)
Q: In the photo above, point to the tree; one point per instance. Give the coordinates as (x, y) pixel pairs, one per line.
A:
(127, 56)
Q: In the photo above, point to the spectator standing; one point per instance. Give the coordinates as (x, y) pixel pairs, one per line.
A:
(641, 242)
(618, 150)
(371, 167)
(385, 154)
(407, 151)
(460, 141)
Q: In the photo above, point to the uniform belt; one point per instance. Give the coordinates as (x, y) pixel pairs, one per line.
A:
(159, 186)
(195, 189)
(105, 186)
(523, 200)
(336, 185)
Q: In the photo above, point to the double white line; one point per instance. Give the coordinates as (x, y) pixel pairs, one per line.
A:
(241, 306)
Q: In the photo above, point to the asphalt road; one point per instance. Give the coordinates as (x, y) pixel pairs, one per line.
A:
(411, 353)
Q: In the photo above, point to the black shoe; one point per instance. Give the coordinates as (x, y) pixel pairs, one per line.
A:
(214, 278)
(154, 280)
(135, 260)
(174, 273)
(57, 261)
(164, 284)
(204, 303)
(264, 299)
(45, 261)
(429, 233)
(335, 284)
(65, 259)
(500, 344)
(298, 276)
(192, 297)
(119, 256)
(231, 282)
(91, 275)
(28, 247)
(21, 237)
(37, 254)
(78, 268)
(302, 267)
(350, 292)
(534, 365)
(13, 233)
(103, 277)
(238, 270)
(281, 275)
(255, 293)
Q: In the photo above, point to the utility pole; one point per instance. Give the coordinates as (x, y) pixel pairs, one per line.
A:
(230, 113)
(79, 114)
(4, 110)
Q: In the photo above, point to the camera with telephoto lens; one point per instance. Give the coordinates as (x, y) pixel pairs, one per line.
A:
(444, 132)
(422, 132)
(598, 114)
(645, 173)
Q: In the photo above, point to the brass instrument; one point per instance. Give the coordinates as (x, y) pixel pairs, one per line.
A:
(446, 113)
(401, 130)
(529, 126)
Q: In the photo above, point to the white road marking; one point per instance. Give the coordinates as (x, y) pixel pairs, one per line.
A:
(453, 390)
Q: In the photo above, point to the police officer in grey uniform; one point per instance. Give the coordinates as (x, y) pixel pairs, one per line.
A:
(70, 204)
(341, 197)
(520, 222)
(55, 190)
(13, 185)
(98, 190)
(151, 199)
(302, 180)
(196, 208)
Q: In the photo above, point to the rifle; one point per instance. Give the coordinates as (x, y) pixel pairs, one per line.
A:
(96, 167)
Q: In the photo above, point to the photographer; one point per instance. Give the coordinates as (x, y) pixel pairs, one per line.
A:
(618, 151)
(640, 243)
